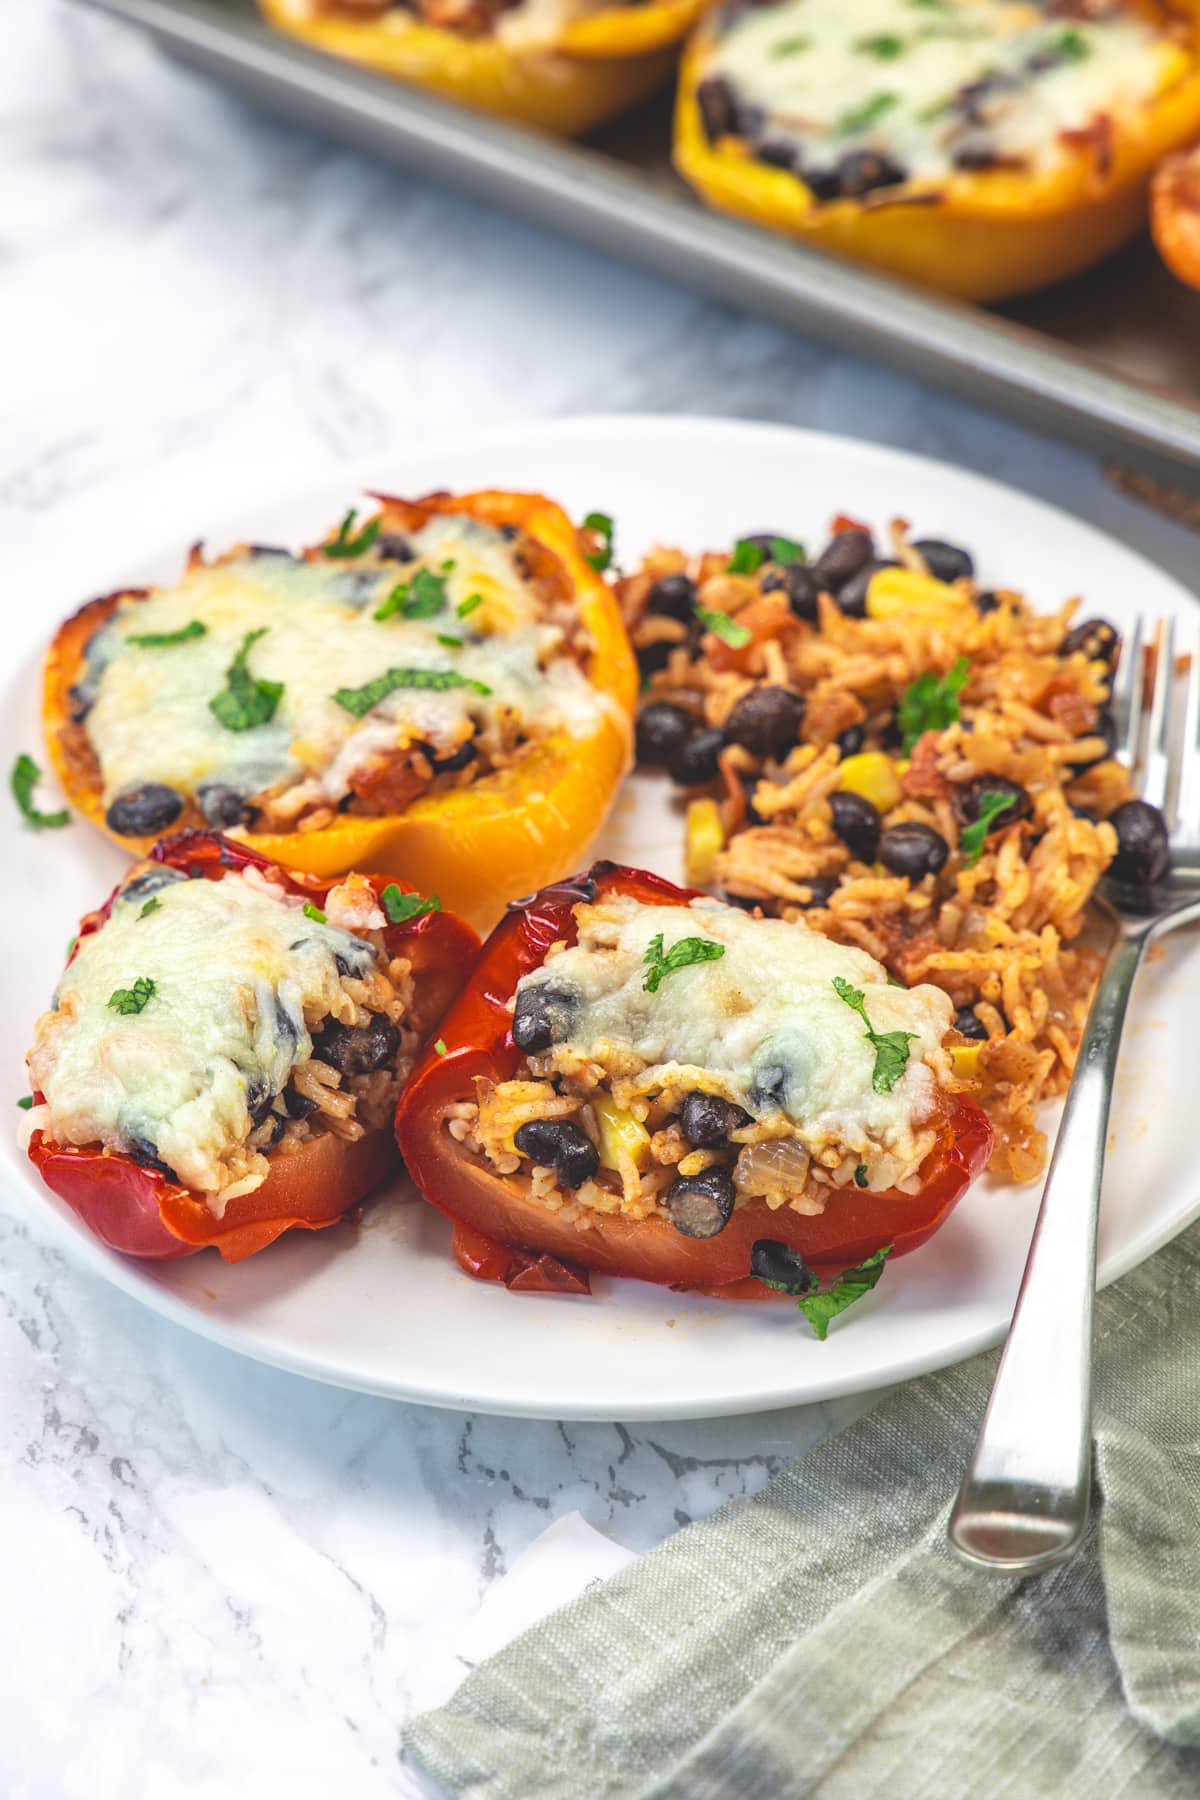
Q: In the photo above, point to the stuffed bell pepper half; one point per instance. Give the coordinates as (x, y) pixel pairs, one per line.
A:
(442, 692)
(646, 1082)
(224, 1049)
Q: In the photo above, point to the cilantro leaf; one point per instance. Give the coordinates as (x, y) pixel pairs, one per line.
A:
(891, 1047)
(439, 1045)
(132, 1000)
(24, 778)
(931, 703)
(449, 643)
(422, 598)
(681, 955)
(786, 550)
(346, 543)
(1069, 46)
(152, 905)
(161, 640)
(861, 1176)
(972, 837)
(791, 46)
(467, 606)
(602, 525)
(244, 702)
(314, 913)
(886, 46)
(747, 559)
(400, 908)
(861, 118)
(722, 626)
(25, 1102)
(821, 1309)
(359, 701)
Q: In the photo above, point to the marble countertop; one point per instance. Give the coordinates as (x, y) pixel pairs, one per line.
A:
(218, 1579)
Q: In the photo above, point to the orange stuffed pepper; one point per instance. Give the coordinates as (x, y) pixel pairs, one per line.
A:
(226, 1045)
(980, 147)
(441, 692)
(561, 67)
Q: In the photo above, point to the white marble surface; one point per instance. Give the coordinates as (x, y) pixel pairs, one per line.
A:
(217, 1580)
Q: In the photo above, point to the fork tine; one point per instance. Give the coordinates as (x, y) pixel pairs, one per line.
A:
(1157, 773)
(1127, 695)
(1187, 799)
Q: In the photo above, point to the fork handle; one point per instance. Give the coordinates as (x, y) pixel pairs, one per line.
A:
(1023, 1504)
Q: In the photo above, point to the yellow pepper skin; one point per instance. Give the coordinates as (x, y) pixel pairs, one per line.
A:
(475, 847)
(977, 236)
(598, 66)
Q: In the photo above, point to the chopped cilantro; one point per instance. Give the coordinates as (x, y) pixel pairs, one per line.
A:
(152, 905)
(132, 1000)
(448, 642)
(681, 955)
(821, 1309)
(244, 702)
(346, 543)
(602, 525)
(467, 606)
(791, 46)
(1070, 46)
(786, 550)
(400, 908)
(931, 702)
(314, 913)
(886, 46)
(972, 837)
(439, 1045)
(723, 626)
(359, 701)
(861, 118)
(161, 640)
(860, 1175)
(890, 1047)
(25, 1102)
(748, 557)
(24, 778)
(422, 598)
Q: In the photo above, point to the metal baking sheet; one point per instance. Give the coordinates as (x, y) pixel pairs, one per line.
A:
(1109, 360)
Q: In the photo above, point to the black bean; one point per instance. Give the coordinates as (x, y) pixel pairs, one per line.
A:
(542, 1015)
(969, 1026)
(946, 561)
(975, 157)
(781, 1267)
(267, 1135)
(286, 1029)
(822, 184)
(852, 597)
(673, 596)
(1099, 641)
(145, 1155)
(1143, 845)
(913, 849)
(393, 546)
(799, 583)
(750, 788)
(653, 657)
(707, 1120)
(159, 875)
(695, 762)
(842, 557)
(988, 601)
(766, 542)
(766, 721)
(145, 810)
(701, 1206)
(970, 797)
(860, 172)
(259, 1098)
(355, 958)
(820, 888)
(80, 700)
(270, 550)
(858, 824)
(298, 1105)
(559, 1145)
(850, 741)
(742, 901)
(718, 107)
(357, 1049)
(458, 759)
(770, 1081)
(986, 87)
(220, 804)
(777, 153)
(662, 731)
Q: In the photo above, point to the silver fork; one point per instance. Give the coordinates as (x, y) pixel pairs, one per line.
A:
(1024, 1501)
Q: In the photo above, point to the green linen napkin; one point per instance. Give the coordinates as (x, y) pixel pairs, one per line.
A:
(821, 1639)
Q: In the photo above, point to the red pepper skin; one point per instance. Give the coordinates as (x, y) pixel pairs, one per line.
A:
(477, 1041)
(141, 1212)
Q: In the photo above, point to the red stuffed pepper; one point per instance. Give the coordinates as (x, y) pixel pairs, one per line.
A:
(226, 1044)
(648, 1082)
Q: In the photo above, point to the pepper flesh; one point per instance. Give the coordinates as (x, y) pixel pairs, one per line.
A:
(498, 1208)
(142, 1212)
(596, 66)
(475, 846)
(977, 235)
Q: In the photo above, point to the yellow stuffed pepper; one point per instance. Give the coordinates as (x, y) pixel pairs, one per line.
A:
(441, 692)
(562, 65)
(980, 147)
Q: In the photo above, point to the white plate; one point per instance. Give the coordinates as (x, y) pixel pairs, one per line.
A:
(382, 1307)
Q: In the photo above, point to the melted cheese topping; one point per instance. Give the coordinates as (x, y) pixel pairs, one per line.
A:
(150, 719)
(763, 1023)
(237, 968)
(930, 81)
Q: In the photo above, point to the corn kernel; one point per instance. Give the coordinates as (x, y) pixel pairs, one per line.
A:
(874, 776)
(620, 1134)
(705, 836)
(895, 593)
(964, 1059)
